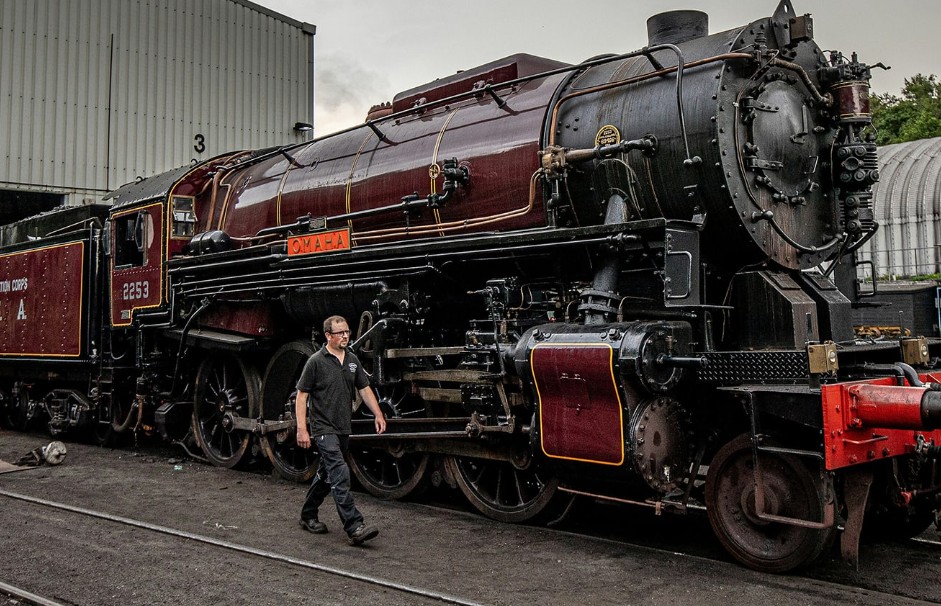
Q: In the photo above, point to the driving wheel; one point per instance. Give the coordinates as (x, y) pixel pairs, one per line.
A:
(389, 471)
(226, 390)
(791, 490)
(290, 461)
(501, 490)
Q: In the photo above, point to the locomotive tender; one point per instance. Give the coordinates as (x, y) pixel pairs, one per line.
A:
(612, 279)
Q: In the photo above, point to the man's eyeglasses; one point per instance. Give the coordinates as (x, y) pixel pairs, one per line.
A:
(339, 333)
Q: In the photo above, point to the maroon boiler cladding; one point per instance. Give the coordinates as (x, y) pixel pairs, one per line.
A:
(495, 145)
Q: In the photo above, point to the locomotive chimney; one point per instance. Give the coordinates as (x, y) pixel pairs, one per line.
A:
(676, 27)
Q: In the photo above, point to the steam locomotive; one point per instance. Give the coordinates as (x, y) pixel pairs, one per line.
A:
(619, 279)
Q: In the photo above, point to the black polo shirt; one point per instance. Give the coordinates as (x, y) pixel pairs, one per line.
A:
(332, 388)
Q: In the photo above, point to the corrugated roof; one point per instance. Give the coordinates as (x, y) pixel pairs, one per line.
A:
(157, 186)
(910, 179)
(907, 205)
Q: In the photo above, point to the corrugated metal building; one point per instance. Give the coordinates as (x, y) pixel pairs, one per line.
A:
(94, 93)
(908, 209)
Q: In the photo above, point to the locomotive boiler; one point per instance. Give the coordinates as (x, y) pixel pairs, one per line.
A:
(616, 279)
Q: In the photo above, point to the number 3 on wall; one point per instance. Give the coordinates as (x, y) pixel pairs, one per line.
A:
(200, 146)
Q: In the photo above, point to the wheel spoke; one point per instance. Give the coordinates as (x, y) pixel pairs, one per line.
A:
(478, 473)
(519, 489)
(498, 487)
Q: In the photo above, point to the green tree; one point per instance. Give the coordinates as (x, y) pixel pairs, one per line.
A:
(916, 114)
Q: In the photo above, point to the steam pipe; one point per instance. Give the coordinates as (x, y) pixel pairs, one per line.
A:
(407, 204)
(909, 373)
(768, 216)
(825, 100)
(646, 144)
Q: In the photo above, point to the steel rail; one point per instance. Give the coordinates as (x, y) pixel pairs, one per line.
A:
(270, 555)
(926, 541)
(26, 596)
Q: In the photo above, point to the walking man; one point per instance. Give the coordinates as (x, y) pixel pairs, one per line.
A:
(330, 380)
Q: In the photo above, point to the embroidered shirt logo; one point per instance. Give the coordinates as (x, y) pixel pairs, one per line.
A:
(352, 367)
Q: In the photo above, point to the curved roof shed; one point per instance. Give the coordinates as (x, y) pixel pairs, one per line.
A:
(907, 201)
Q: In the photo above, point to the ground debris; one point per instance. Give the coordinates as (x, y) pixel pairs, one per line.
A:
(50, 454)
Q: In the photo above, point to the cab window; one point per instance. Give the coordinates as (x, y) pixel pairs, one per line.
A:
(132, 237)
(184, 219)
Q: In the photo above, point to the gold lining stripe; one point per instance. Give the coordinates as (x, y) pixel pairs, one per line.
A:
(349, 184)
(542, 434)
(225, 200)
(222, 161)
(284, 179)
(434, 160)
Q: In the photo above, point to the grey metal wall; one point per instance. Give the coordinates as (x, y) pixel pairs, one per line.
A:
(94, 93)
(908, 209)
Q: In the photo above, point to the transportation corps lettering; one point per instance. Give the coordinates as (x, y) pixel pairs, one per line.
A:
(320, 242)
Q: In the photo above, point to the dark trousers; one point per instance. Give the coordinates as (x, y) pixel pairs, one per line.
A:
(333, 474)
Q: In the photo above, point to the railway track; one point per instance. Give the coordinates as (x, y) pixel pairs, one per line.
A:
(367, 579)
(823, 581)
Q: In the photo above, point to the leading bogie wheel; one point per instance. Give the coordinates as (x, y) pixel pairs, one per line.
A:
(227, 388)
(290, 461)
(791, 490)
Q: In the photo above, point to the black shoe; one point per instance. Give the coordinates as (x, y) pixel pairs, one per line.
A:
(362, 534)
(314, 525)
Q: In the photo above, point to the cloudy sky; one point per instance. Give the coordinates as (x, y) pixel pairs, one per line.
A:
(368, 50)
